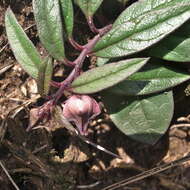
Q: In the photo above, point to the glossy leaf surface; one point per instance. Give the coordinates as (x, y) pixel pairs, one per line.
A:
(99, 78)
(141, 25)
(49, 24)
(175, 47)
(152, 78)
(143, 119)
(23, 49)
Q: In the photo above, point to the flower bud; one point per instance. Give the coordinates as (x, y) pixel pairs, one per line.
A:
(80, 109)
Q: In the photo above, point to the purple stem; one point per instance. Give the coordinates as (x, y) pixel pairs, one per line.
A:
(78, 63)
(93, 28)
(76, 71)
(75, 44)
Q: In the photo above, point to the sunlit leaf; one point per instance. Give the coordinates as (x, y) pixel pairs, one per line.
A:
(49, 24)
(100, 78)
(141, 25)
(23, 49)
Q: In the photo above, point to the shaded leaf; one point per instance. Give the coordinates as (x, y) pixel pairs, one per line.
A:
(144, 119)
(176, 47)
(88, 7)
(141, 25)
(23, 49)
(67, 11)
(152, 78)
(99, 78)
(49, 24)
(44, 76)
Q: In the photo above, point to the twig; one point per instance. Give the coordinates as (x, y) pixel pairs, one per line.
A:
(10, 178)
(147, 173)
(88, 186)
(5, 68)
(180, 125)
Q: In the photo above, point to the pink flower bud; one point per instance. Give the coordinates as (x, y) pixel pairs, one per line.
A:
(80, 109)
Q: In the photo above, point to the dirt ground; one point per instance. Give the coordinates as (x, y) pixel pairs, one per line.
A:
(42, 159)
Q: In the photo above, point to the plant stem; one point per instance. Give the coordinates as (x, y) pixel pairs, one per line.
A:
(76, 71)
(75, 44)
(93, 28)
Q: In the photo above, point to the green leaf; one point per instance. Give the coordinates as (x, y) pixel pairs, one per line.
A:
(101, 61)
(152, 78)
(88, 7)
(44, 76)
(49, 25)
(176, 47)
(141, 25)
(67, 11)
(99, 78)
(144, 119)
(23, 49)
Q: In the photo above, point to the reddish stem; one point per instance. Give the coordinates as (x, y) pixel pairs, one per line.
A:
(93, 28)
(75, 44)
(78, 65)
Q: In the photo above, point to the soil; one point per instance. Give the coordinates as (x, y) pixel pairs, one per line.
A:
(55, 159)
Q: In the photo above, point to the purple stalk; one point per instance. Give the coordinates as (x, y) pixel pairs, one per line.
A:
(93, 28)
(78, 65)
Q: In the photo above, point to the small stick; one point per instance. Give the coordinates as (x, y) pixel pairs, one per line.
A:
(147, 173)
(10, 178)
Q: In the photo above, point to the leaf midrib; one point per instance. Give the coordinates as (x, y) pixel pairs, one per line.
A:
(131, 35)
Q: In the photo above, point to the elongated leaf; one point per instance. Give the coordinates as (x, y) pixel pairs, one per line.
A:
(101, 61)
(141, 25)
(67, 11)
(152, 78)
(176, 47)
(49, 25)
(88, 7)
(23, 49)
(144, 119)
(44, 76)
(108, 75)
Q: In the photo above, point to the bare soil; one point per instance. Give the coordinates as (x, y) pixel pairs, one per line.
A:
(54, 159)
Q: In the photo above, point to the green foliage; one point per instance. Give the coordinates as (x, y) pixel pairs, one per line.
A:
(50, 26)
(44, 76)
(133, 89)
(175, 47)
(67, 11)
(141, 25)
(108, 75)
(88, 7)
(144, 119)
(152, 78)
(23, 49)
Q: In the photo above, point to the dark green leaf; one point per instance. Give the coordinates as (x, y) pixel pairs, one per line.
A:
(107, 75)
(88, 7)
(44, 76)
(23, 49)
(49, 25)
(141, 25)
(67, 10)
(152, 78)
(144, 119)
(176, 47)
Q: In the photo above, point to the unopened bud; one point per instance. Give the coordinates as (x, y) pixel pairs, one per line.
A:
(80, 109)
